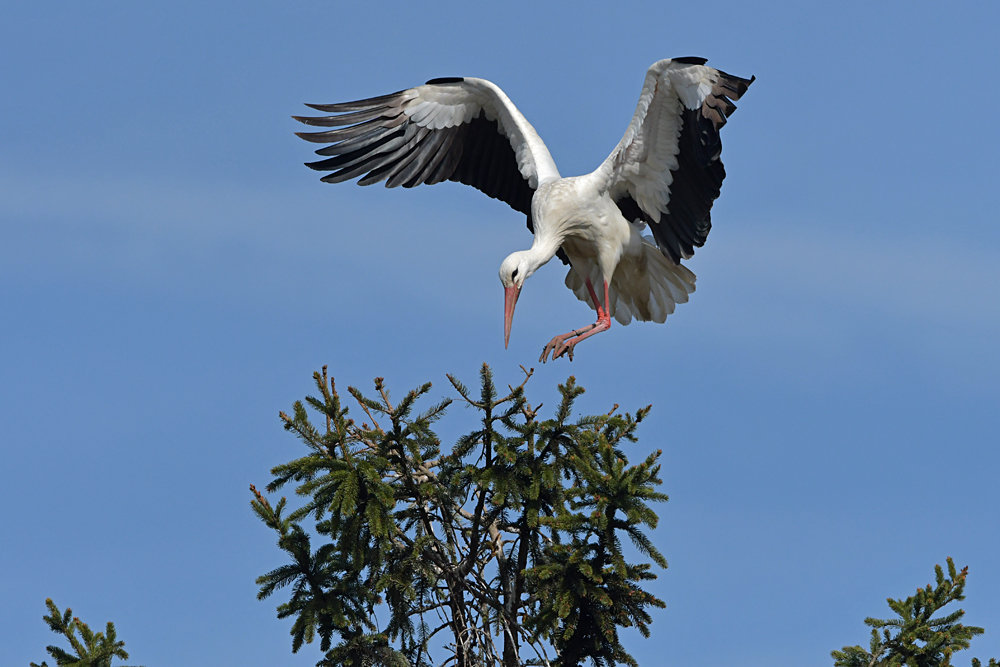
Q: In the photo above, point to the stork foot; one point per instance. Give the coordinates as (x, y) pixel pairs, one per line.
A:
(558, 346)
(566, 348)
(565, 343)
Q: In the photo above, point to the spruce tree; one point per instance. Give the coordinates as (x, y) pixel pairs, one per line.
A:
(92, 649)
(507, 548)
(916, 638)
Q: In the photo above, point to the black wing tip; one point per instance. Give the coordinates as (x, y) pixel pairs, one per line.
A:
(690, 60)
(734, 86)
(744, 83)
(445, 79)
(357, 105)
(316, 166)
(311, 137)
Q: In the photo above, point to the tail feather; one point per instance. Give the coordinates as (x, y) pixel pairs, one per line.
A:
(646, 287)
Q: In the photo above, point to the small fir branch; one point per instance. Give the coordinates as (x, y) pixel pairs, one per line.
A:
(90, 649)
(916, 637)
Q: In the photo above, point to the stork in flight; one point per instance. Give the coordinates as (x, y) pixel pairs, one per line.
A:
(664, 174)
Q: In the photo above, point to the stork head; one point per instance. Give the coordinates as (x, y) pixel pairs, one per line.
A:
(513, 272)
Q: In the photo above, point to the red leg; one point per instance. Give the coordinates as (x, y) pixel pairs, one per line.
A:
(564, 344)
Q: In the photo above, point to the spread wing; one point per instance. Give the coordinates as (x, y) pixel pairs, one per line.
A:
(456, 129)
(666, 171)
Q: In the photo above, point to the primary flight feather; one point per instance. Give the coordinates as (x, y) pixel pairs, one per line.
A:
(664, 175)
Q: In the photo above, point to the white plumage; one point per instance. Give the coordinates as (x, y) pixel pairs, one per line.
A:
(663, 176)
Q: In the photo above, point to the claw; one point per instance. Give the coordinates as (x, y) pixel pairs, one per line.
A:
(558, 346)
(566, 348)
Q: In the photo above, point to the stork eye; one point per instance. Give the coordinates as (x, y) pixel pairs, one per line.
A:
(513, 275)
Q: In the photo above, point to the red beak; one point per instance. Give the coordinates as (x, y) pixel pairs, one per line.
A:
(510, 295)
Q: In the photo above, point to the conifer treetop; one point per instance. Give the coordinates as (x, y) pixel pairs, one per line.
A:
(917, 638)
(504, 549)
(91, 649)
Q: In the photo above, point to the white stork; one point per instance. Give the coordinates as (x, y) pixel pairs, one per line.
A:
(665, 173)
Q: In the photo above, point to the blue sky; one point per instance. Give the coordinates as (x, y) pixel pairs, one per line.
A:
(171, 275)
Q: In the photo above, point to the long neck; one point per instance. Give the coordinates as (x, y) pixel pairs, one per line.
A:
(542, 250)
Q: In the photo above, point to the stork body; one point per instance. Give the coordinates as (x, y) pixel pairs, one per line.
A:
(663, 176)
